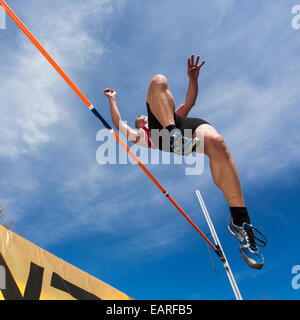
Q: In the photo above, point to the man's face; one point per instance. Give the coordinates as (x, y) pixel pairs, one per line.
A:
(142, 121)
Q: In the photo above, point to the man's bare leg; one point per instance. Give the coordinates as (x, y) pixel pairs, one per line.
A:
(161, 101)
(222, 166)
(225, 176)
(162, 106)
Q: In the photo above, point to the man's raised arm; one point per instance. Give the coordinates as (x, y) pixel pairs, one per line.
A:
(126, 130)
(192, 93)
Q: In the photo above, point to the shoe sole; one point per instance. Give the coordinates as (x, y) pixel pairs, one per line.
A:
(257, 266)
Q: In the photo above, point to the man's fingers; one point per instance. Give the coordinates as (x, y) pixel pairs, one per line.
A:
(109, 93)
(189, 62)
(194, 66)
(201, 65)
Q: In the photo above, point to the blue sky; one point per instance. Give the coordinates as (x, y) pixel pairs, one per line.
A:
(111, 221)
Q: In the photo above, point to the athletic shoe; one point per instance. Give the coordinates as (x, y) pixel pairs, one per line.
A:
(181, 145)
(248, 247)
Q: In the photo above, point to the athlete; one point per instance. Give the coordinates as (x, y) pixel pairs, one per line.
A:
(184, 135)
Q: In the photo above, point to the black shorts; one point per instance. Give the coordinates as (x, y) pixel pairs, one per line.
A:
(187, 126)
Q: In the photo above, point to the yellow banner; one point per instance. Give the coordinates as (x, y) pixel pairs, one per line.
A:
(29, 272)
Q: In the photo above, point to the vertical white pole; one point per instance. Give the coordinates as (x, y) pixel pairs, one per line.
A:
(2, 278)
(2, 18)
(217, 242)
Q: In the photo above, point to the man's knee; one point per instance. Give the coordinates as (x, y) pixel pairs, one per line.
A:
(216, 146)
(159, 81)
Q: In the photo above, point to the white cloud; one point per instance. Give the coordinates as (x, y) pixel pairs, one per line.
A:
(32, 94)
(36, 104)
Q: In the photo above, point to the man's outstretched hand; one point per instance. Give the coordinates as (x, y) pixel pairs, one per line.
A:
(194, 68)
(110, 93)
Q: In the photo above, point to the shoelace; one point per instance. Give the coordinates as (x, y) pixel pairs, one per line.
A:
(248, 233)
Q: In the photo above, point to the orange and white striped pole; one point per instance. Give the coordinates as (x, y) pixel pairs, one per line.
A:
(97, 114)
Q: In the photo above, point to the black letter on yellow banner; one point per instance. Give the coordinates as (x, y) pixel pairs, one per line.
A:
(61, 284)
(33, 285)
